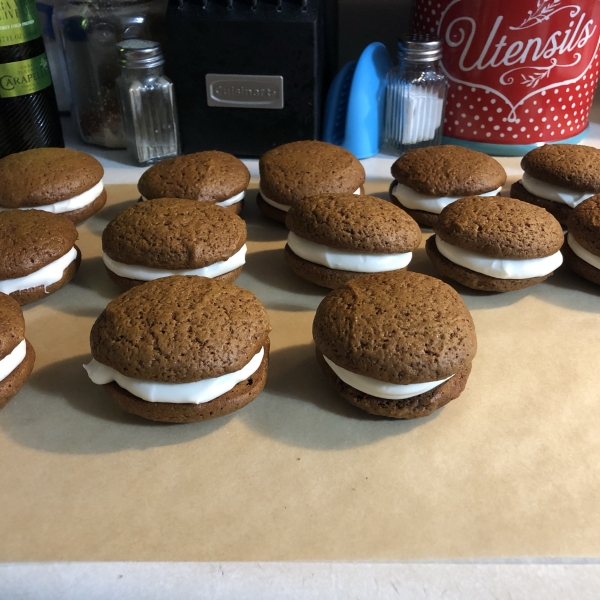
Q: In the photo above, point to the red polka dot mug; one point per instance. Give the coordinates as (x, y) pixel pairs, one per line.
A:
(522, 73)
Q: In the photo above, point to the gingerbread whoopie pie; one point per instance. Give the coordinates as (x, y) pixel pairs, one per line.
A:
(212, 177)
(38, 255)
(499, 245)
(173, 236)
(55, 180)
(582, 247)
(428, 179)
(336, 237)
(558, 177)
(396, 344)
(181, 349)
(296, 170)
(16, 353)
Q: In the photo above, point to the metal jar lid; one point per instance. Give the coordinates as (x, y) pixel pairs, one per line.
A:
(420, 48)
(140, 54)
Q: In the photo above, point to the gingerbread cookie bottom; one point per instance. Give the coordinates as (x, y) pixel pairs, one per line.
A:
(422, 217)
(579, 266)
(270, 211)
(472, 279)
(10, 385)
(34, 294)
(559, 211)
(409, 408)
(243, 393)
(125, 283)
(323, 276)
(81, 214)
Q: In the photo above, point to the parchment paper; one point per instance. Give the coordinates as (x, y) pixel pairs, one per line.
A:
(510, 469)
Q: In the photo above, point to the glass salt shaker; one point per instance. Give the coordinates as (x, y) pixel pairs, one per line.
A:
(415, 97)
(147, 102)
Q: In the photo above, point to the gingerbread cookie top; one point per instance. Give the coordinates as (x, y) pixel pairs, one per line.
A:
(350, 222)
(32, 239)
(45, 176)
(584, 224)
(173, 233)
(500, 227)
(210, 176)
(565, 165)
(12, 325)
(296, 170)
(180, 329)
(400, 327)
(448, 171)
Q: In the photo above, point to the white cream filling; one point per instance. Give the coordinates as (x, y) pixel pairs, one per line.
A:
(196, 392)
(233, 200)
(554, 192)
(45, 276)
(583, 254)
(71, 203)
(346, 260)
(149, 273)
(11, 361)
(432, 204)
(500, 268)
(381, 389)
(286, 207)
(227, 202)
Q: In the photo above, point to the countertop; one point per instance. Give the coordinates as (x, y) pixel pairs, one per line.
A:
(495, 494)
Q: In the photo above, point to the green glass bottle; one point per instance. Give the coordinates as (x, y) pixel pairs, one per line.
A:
(28, 111)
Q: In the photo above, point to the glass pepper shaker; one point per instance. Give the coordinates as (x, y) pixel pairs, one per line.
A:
(147, 102)
(88, 31)
(415, 96)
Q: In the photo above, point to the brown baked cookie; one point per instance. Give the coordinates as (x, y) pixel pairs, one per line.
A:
(16, 353)
(166, 236)
(212, 176)
(474, 240)
(442, 172)
(296, 170)
(181, 330)
(553, 170)
(57, 180)
(334, 237)
(569, 166)
(448, 171)
(582, 244)
(385, 330)
(32, 240)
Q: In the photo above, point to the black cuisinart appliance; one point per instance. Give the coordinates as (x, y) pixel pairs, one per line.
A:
(250, 75)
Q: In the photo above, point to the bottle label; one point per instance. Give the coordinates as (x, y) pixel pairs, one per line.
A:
(18, 22)
(24, 76)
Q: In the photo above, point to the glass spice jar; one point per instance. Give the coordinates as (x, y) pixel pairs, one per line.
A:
(147, 102)
(415, 96)
(89, 31)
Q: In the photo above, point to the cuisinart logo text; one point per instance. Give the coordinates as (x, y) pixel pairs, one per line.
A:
(244, 91)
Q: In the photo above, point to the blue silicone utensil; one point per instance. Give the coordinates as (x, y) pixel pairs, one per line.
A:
(336, 105)
(355, 106)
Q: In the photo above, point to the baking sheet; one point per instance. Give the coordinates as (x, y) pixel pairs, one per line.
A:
(509, 469)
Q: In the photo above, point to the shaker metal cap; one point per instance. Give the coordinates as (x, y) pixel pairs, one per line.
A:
(140, 54)
(420, 48)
